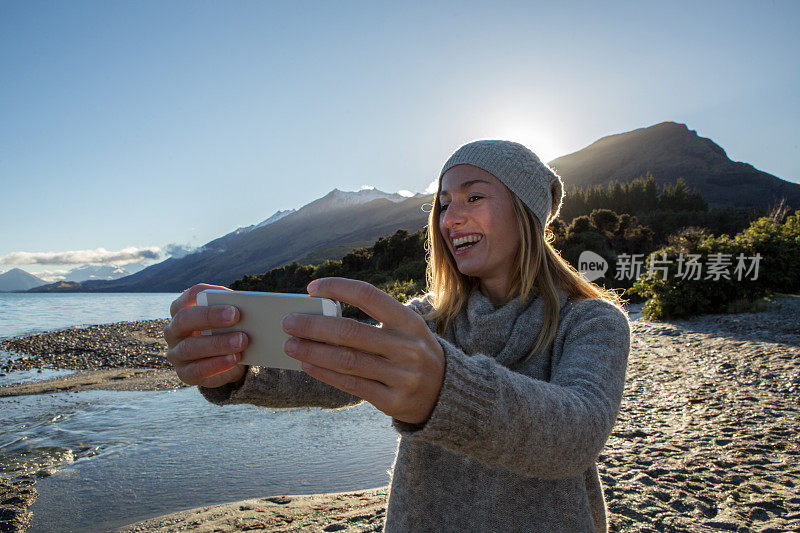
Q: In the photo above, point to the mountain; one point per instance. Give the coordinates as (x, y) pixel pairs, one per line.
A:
(337, 199)
(340, 220)
(334, 200)
(17, 279)
(669, 151)
(274, 218)
(87, 272)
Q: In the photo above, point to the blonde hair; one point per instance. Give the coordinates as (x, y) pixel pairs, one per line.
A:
(539, 271)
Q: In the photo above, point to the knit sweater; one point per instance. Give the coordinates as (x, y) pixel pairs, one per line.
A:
(509, 445)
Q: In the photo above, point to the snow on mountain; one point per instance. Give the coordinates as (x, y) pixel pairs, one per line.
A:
(337, 199)
(274, 218)
(87, 272)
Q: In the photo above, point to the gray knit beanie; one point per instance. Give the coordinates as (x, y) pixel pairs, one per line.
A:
(519, 169)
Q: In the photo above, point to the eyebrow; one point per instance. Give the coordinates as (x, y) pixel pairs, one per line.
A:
(465, 185)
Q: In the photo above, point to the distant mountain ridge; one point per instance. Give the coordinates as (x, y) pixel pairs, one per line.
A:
(17, 279)
(331, 202)
(274, 218)
(341, 220)
(104, 272)
(337, 199)
(671, 150)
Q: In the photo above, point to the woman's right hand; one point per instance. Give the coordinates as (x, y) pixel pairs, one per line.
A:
(205, 360)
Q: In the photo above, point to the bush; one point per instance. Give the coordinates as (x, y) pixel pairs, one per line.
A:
(761, 260)
(779, 245)
(404, 291)
(607, 234)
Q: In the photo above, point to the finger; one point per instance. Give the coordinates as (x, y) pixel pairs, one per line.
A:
(197, 371)
(202, 346)
(374, 392)
(344, 332)
(366, 297)
(189, 296)
(341, 359)
(231, 375)
(198, 318)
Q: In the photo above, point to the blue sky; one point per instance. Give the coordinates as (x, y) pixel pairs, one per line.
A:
(136, 125)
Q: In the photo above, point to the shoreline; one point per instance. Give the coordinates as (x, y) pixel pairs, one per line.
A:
(131, 344)
(348, 512)
(121, 356)
(705, 438)
(122, 379)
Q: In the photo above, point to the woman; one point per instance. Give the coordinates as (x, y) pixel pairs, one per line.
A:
(503, 382)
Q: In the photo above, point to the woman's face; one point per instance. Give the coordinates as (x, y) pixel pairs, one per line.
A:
(476, 205)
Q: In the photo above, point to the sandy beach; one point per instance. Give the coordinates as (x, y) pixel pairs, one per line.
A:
(706, 439)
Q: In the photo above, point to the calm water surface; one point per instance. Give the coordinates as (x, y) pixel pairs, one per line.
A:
(22, 313)
(120, 457)
(112, 458)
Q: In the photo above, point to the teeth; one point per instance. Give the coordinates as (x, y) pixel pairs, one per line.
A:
(468, 238)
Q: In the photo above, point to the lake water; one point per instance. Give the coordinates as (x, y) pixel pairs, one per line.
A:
(120, 457)
(22, 313)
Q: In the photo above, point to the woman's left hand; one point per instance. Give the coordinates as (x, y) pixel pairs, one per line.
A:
(398, 366)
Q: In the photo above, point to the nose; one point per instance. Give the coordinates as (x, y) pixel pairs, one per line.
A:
(452, 216)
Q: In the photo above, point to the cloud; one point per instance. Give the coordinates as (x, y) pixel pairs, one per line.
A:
(405, 192)
(99, 256)
(432, 187)
(178, 250)
(366, 188)
(51, 275)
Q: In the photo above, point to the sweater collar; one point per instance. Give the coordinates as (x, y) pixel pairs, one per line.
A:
(507, 333)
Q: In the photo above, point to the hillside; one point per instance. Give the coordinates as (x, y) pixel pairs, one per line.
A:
(330, 226)
(669, 151)
(324, 225)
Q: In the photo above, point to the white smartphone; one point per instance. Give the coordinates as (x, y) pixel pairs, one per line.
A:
(260, 315)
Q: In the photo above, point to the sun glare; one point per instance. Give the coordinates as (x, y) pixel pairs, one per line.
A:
(539, 142)
(542, 143)
(528, 125)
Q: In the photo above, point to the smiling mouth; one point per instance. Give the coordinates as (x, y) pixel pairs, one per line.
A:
(462, 244)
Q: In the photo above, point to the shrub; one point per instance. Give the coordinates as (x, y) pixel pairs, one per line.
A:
(771, 247)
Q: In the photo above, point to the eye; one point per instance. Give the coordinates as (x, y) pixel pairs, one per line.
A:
(474, 196)
(443, 207)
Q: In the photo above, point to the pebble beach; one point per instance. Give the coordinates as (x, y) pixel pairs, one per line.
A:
(706, 439)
